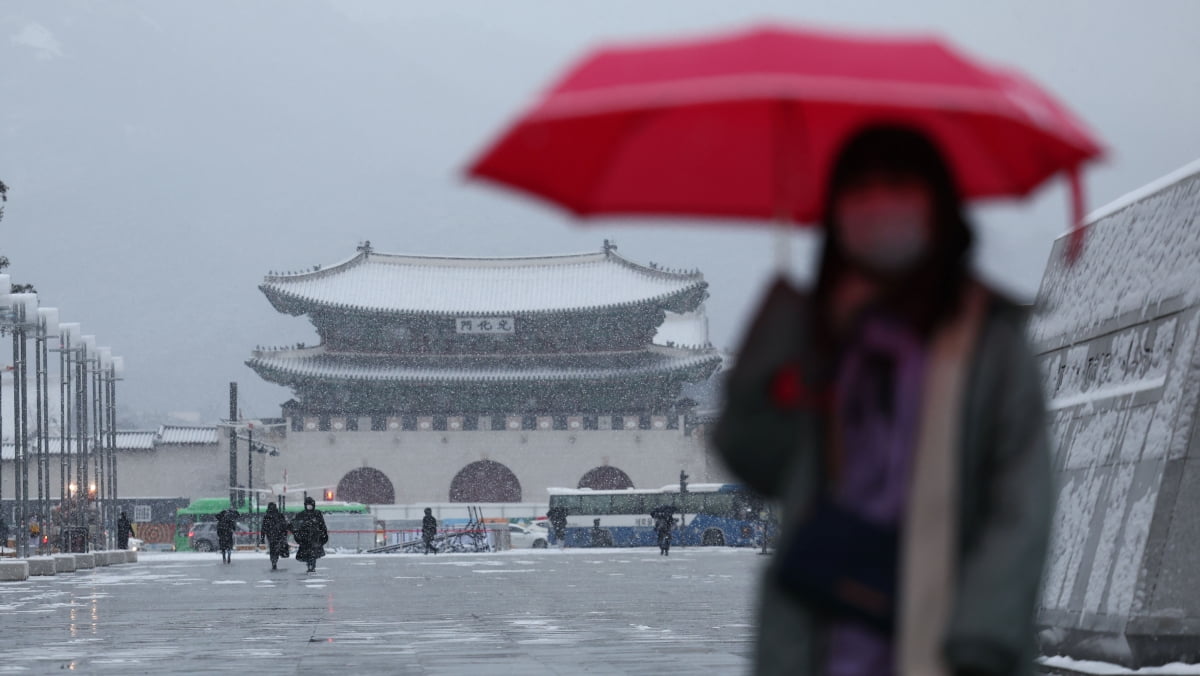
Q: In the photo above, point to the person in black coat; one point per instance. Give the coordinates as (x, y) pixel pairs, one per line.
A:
(429, 530)
(124, 531)
(308, 527)
(664, 521)
(558, 523)
(274, 530)
(226, 525)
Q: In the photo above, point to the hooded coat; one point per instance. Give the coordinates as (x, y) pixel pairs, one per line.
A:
(226, 525)
(274, 530)
(124, 531)
(308, 527)
(998, 490)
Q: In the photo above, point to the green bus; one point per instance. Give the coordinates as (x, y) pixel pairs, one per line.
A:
(206, 509)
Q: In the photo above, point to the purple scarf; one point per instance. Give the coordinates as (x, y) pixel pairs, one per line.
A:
(878, 407)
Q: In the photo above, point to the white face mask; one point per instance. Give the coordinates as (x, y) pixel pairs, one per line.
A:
(885, 229)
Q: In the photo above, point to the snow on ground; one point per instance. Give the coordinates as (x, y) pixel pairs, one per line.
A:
(1107, 669)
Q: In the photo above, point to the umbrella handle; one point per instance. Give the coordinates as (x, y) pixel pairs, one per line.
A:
(1075, 239)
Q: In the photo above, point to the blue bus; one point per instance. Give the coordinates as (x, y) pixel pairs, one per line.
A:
(714, 515)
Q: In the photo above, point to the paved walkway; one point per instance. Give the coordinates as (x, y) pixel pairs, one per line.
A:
(530, 612)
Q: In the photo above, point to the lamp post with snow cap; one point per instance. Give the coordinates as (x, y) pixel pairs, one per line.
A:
(5, 306)
(102, 365)
(70, 339)
(47, 326)
(116, 372)
(83, 470)
(18, 316)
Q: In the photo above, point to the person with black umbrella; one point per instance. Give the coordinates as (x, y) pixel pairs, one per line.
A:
(664, 521)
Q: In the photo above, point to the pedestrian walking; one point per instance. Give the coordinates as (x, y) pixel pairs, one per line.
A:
(600, 536)
(429, 527)
(308, 527)
(35, 535)
(226, 525)
(664, 523)
(124, 531)
(897, 415)
(3, 533)
(274, 530)
(558, 523)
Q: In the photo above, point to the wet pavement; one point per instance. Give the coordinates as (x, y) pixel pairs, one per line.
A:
(609, 611)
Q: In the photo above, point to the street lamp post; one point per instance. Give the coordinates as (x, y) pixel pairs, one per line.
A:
(115, 373)
(82, 445)
(5, 303)
(21, 316)
(69, 340)
(47, 326)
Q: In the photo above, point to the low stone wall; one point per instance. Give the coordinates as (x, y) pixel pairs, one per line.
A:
(14, 571)
(41, 565)
(1118, 334)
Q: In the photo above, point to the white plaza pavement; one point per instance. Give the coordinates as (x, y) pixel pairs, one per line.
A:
(607, 611)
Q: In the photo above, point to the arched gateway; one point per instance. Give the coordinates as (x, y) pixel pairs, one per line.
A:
(485, 481)
(605, 478)
(366, 485)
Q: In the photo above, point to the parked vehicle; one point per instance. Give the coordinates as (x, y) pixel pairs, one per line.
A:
(525, 538)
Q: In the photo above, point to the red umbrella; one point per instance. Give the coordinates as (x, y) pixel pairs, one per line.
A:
(747, 125)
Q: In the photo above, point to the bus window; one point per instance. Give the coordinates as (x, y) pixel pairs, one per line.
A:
(690, 503)
(633, 503)
(719, 504)
(571, 502)
(595, 504)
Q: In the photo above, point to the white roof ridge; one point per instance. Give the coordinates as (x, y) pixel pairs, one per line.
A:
(320, 350)
(372, 282)
(1138, 194)
(504, 261)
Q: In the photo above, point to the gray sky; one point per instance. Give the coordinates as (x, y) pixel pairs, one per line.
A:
(164, 156)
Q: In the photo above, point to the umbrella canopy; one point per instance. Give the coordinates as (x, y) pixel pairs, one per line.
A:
(748, 125)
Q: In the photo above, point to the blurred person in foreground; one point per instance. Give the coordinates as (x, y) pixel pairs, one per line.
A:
(896, 414)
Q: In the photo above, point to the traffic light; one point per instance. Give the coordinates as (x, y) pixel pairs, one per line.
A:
(328, 495)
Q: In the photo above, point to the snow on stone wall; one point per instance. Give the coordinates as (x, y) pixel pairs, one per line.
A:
(1143, 253)
(1117, 338)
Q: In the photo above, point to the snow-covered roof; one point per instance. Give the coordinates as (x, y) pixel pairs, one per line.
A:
(318, 363)
(130, 440)
(1140, 250)
(187, 435)
(136, 439)
(400, 284)
(688, 329)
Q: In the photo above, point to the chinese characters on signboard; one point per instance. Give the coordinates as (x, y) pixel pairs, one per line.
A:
(490, 325)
